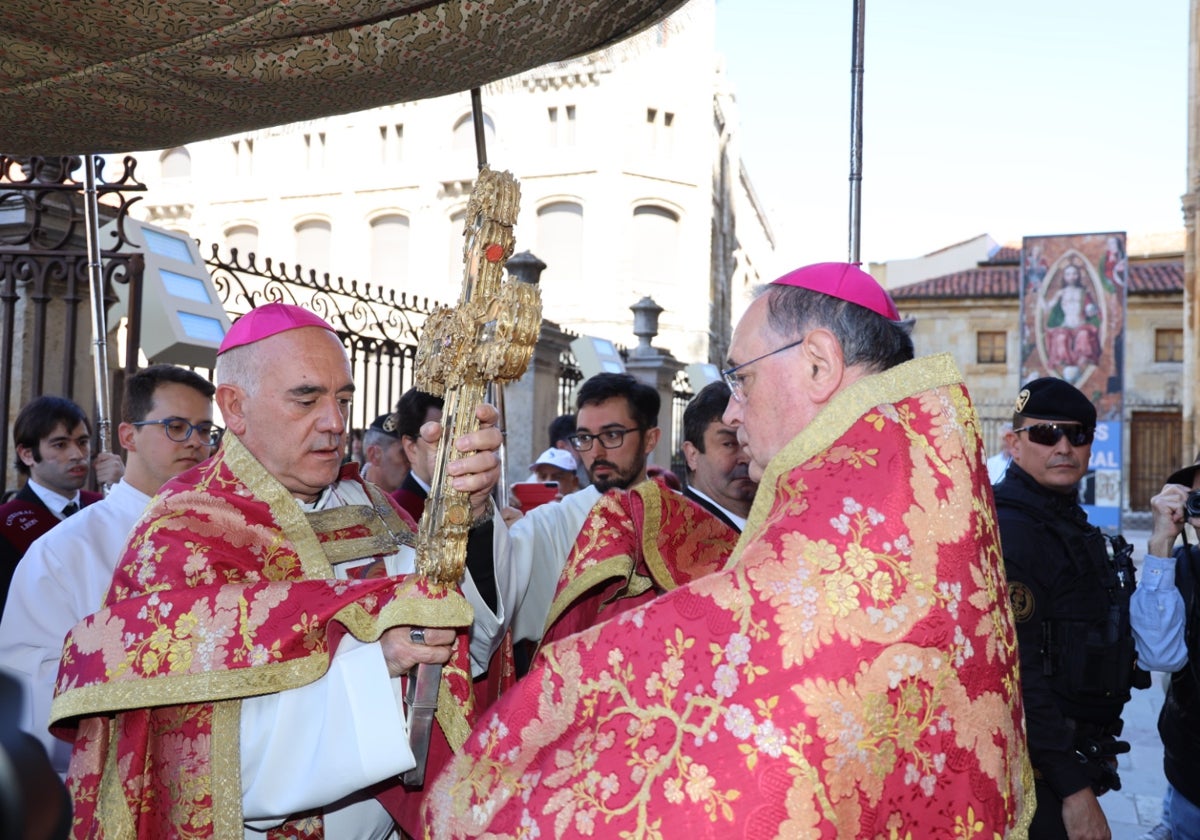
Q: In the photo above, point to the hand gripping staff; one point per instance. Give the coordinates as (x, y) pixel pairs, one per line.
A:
(487, 338)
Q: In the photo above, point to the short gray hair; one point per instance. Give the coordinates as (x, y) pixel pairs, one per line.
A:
(867, 338)
(237, 366)
(374, 437)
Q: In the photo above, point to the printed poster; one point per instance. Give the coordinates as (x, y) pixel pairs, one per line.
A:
(1073, 327)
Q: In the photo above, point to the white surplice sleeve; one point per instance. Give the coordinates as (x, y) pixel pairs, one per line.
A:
(311, 746)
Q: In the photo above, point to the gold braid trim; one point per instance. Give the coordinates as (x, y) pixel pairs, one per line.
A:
(285, 510)
(651, 494)
(180, 689)
(619, 567)
(845, 409)
(450, 717)
(226, 765)
(114, 812)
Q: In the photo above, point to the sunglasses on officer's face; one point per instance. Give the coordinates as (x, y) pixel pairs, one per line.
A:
(1048, 434)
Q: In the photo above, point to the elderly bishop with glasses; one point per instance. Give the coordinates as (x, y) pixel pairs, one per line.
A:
(850, 671)
(1070, 597)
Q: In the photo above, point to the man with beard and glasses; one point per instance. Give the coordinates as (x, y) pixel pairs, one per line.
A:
(616, 429)
(1070, 600)
(647, 540)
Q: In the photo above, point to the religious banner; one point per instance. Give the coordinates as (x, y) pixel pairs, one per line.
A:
(1073, 327)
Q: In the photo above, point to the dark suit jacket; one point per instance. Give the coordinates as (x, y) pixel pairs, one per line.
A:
(711, 508)
(23, 519)
(411, 497)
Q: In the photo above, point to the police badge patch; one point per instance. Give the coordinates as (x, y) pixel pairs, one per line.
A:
(1022, 398)
(1021, 599)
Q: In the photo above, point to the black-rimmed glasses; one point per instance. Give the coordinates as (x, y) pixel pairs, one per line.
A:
(1049, 434)
(179, 430)
(736, 381)
(609, 438)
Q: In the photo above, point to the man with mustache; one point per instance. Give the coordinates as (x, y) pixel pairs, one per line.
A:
(1070, 600)
(718, 476)
(166, 428)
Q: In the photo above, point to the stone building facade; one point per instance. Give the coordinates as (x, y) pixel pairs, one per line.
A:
(973, 315)
(631, 177)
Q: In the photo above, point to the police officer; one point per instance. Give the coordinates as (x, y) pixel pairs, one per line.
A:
(1070, 600)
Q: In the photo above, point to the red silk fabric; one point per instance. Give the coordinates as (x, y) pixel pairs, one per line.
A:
(852, 673)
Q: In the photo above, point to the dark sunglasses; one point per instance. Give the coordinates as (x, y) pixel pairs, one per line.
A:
(1048, 434)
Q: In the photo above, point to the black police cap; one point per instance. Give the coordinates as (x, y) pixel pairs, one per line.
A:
(1049, 398)
(388, 424)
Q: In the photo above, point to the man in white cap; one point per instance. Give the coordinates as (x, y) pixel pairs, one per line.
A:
(851, 672)
(557, 465)
(244, 675)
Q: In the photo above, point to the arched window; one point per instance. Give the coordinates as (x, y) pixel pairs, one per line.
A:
(464, 132)
(560, 246)
(313, 242)
(455, 270)
(176, 163)
(389, 249)
(655, 246)
(244, 238)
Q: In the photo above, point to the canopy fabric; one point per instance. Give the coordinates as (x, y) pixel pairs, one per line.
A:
(102, 76)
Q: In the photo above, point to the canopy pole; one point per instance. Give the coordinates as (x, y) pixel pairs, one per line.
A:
(477, 122)
(856, 133)
(494, 390)
(91, 217)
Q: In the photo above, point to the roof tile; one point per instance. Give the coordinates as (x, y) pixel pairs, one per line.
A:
(990, 281)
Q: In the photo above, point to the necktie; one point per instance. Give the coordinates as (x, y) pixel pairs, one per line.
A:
(69, 509)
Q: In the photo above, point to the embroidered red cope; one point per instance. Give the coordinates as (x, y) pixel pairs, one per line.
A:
(226, 591)
(851, 673)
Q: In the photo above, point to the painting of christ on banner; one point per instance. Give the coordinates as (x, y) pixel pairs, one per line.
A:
(1073, 314)
(1073, 327)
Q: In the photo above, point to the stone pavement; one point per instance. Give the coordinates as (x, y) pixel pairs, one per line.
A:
(1137, 806)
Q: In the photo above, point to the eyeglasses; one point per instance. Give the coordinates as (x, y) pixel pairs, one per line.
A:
(179, 430)
(1049, 434)
(736, 381)
(609, 438)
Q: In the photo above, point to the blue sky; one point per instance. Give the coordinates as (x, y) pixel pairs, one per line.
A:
(1026, 117)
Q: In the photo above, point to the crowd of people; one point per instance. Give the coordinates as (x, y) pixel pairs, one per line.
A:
(849, 623)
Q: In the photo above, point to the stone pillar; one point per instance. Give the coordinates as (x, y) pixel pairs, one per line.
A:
(532, 402)
(658, 369)
(1191, 253)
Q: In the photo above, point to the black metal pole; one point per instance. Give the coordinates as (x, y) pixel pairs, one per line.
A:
(91, 214)
(477, 120)
(856, 133)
